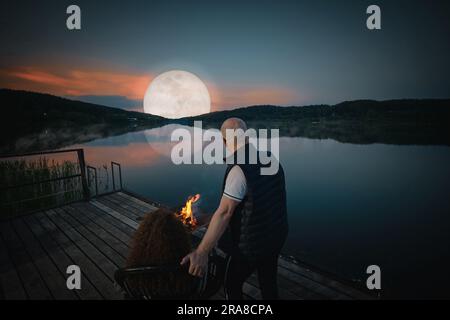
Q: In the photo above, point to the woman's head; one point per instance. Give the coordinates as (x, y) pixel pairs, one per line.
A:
(160, 240)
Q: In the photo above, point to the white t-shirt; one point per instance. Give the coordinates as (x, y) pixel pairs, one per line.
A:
(235, 185)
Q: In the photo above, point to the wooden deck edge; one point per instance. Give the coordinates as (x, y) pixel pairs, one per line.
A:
(351, 284)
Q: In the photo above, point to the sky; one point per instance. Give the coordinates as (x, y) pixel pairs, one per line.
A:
(246, 52)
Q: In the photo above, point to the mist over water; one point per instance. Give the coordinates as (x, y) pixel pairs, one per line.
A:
(349, 205)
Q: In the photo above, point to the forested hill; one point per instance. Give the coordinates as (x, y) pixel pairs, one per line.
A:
(26, 108)
(407, 109)
(407, 121)
(34, 121)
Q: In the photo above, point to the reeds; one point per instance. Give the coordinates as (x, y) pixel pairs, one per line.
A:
(28, 185)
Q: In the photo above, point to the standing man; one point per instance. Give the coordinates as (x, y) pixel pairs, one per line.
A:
(253, 206)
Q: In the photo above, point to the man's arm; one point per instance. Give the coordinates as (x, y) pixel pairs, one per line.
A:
(219, 222)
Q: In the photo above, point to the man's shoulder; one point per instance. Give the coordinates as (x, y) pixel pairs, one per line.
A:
(236, 174)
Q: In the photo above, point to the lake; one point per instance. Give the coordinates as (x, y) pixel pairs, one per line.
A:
(349, 206)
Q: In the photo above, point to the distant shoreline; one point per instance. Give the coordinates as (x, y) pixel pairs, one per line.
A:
(36, 121)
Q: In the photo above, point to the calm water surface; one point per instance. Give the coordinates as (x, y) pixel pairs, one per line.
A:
(349, 205)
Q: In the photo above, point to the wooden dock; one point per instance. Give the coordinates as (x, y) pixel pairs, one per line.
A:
(36, 249)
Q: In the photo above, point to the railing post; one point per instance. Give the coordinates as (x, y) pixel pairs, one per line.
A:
(89, 178)
(84, 183)
(113, 176)
(120, 176)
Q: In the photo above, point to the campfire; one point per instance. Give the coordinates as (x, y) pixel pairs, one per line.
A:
(186, 214)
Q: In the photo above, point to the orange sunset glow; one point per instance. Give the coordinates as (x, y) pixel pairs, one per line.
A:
(82, 82)
(76, 82)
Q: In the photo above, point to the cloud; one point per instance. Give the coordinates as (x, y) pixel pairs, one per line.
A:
(124, 90)
(76, 82)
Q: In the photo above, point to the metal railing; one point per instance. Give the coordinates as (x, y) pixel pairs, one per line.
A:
(113, 177)
(81, 163)
(94, 170)
(18, 198)
(88, 176)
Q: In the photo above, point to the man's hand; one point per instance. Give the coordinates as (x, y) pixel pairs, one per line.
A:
(198, 262)
(199, 258)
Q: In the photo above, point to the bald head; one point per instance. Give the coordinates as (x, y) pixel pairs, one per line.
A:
(238, 128)
(232, 123)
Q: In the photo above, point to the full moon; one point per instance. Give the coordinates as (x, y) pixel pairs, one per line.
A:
(177, 94)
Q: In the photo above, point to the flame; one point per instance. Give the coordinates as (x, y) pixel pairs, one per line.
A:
(186, 215)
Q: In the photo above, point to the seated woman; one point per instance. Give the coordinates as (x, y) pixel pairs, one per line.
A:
(161, 240)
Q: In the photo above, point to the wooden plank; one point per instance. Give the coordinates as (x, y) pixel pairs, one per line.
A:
(130, 201)
(300, 291)
(90, 270)
(33, 284)
(115, 214)
(100, 232)
(9, 278)
(123, 204)
(53, 278)
(327, 281)
(97, 256)
(288, 290)
(251, 291)
(220, 295)
(127, 213)
(60, 258)
(93, 239)
(136, 201)
(99, 217)
(126, 204)
(312, 285)
(283, 293)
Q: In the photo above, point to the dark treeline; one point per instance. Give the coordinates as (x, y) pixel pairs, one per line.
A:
(34, 121)
(425, 121)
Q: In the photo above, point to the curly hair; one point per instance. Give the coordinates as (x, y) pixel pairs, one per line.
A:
(161, 240)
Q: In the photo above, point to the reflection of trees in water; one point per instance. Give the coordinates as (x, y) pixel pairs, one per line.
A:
(357, 131)
(57, 138)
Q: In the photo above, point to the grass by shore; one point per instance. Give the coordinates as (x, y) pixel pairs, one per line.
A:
(36, 195)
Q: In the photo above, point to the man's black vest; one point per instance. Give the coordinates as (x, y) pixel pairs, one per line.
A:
(259, 224)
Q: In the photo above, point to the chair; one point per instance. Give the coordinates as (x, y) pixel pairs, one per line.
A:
(204, 287)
